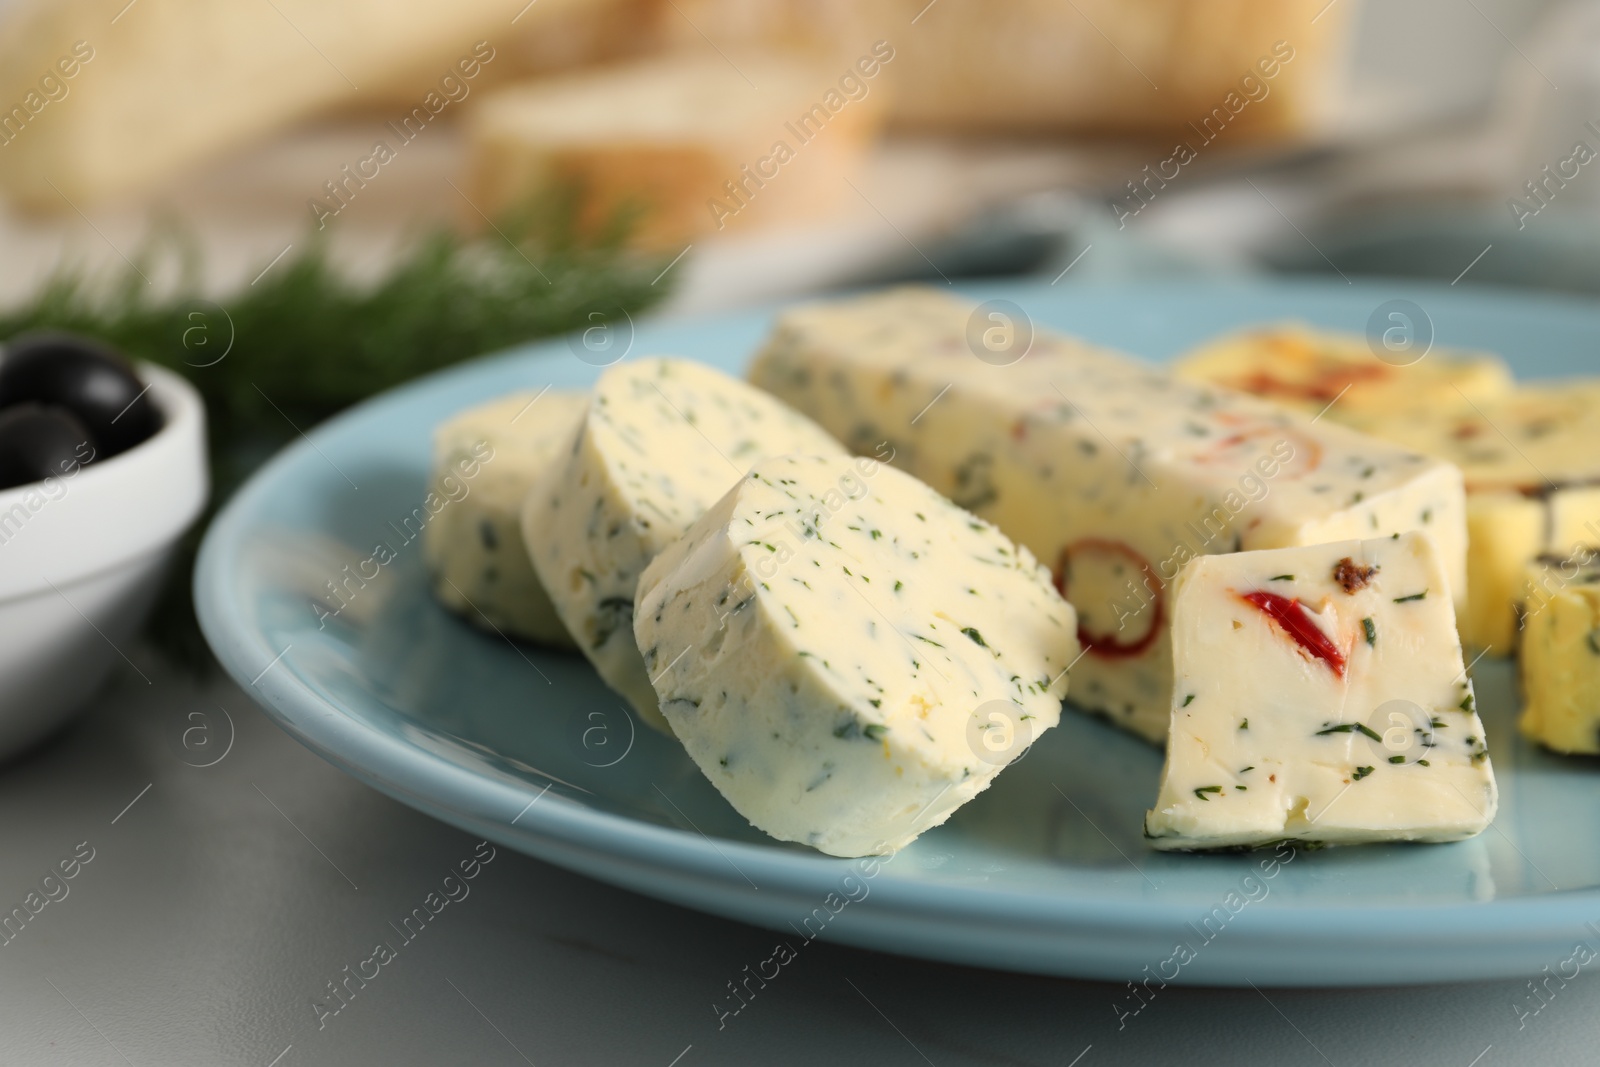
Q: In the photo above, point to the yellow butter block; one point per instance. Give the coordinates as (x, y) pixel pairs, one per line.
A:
(1531, 460)
(1560, 653)
(1315, 371)
(1504, 531)
(1530, 454)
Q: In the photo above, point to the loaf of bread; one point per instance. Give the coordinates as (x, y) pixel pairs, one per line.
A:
(542, 41)
(102, 97)
(686, 143)
(1256, 67)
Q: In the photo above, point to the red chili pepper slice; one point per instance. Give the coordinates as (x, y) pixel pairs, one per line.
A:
(1106, 646)
(1292, 616)
(1321, 384)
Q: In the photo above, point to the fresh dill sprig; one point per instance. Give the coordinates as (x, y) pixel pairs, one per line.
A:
(305, 340)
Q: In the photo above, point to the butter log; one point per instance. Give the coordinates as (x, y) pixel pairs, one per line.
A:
(1111, 472)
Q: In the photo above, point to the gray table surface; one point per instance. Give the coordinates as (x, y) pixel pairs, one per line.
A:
(221, 900)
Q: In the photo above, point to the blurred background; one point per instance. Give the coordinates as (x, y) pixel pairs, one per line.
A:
(296, 204)
(192, 147)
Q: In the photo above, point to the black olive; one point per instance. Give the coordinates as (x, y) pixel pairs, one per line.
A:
(94, 382)
(37, 442)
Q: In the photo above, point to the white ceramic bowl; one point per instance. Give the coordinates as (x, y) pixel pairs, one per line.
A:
(81, 562)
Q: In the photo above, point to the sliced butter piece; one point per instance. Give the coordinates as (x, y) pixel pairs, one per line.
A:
(1321, 696)
(848, 656)
(473, 547)
(1111, 472)
(661, 441)
(1559, 653)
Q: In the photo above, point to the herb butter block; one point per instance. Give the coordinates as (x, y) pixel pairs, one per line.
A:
(1560, 653)
(1320, 371)
(1531, 460)
(1320, 696)
(848, 656)
(1111, 472)
(474, 550)
(1528, 453)
(661, 441)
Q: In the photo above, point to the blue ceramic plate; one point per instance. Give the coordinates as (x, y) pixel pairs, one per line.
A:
(1045, 872)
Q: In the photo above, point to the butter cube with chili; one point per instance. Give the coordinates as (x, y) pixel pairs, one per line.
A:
(1320, 696)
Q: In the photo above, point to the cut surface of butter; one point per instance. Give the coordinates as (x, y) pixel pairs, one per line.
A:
(848, 656)
(1559, 653)
(473, 546)
(661, 440)
(1321, 696)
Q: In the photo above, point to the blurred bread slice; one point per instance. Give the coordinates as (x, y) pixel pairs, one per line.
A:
(584, 34)
(691, 142)
(1091, 66)
(172, 82)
